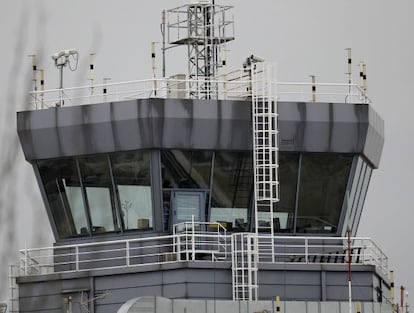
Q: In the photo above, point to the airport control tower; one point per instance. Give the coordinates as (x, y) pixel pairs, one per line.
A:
(219, 185)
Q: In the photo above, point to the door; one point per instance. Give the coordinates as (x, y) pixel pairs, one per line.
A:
(187, 204)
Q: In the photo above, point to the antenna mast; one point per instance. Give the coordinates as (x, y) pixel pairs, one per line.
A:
(203, 27)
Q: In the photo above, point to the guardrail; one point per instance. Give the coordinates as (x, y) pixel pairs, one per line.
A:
(195, 243)
(233, 85)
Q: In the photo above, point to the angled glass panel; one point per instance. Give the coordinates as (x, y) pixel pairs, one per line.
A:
(132, 178)
(361, 201)
(97, 183)
(183, 169)
(284, 210)
(232, 189)
(63, 190)
(322, 190)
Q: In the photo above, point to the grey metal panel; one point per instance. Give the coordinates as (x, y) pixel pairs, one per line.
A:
(41, 303)
(195, 124)
(134, 280)
(375, 138)
(362, 293)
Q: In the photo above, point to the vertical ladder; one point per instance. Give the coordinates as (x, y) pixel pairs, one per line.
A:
(265, 146)
(14, 289)
(244, 266)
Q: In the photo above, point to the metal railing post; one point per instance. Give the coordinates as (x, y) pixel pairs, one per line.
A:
(307, 250)
(127, 252)
(77, 258)
(192, 239)
(178, 247)
(26, 262)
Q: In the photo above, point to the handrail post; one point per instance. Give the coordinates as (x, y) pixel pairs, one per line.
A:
(26, 262)
(307, 250)
(192, 239)
(178, 247)
(127, 253)
(77, 258)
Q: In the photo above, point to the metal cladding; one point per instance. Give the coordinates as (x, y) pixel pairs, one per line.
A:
(196, 124)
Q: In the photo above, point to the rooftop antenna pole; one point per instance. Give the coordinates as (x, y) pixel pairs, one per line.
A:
(42, 87)
(163, 19)
(105, 89)
(91, 72)
(363, 79)
(313, 88)
(34, 77)
(349, 73)
(61, 59)
(154, 68)
(392, 290)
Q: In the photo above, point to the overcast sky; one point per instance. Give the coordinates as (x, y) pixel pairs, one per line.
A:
(304, 37)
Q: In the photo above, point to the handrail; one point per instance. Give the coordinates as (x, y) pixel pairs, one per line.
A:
(234, 84)
(193, 245)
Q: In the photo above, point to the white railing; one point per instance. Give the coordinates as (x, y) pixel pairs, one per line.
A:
(233, 85)
(196, 242)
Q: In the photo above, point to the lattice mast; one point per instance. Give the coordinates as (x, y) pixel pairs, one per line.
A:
(204, 28)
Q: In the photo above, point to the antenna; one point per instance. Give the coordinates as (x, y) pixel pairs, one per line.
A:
(203, 27)
(34, 77)
(91, 71)
(105, 89)
(62, 60)
(313, 77)
(154, 68)
(349, 73)
(42, 87)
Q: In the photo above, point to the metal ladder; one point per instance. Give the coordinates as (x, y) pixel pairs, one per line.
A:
(265, 145)
(14, 289)
(244, 266)
(245, 246)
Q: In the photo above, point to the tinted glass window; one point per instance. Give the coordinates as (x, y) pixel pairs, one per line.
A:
(61, 182)
(322, 189)
(97, 183)
(186, 169)
(284, 210)
(132, 178)
(232, 189)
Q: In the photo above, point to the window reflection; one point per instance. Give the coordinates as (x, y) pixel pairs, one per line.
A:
(284, 210)
(132, 178)
(186, 169)
(322, 189)
(97, 182)
(61, 182)
(232, 188)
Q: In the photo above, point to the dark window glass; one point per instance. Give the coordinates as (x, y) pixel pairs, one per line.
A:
(186, 169)
(357, 180)
(364, 189)
(97, 183)
(322, 190)
(284, 210)
(232, 189)
(61, 182)
(183, 170)
(132, 178)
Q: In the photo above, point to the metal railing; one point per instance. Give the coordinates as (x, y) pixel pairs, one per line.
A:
(229, 86)
(193, 241)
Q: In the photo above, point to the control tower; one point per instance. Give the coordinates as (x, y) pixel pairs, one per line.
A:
(237, 190)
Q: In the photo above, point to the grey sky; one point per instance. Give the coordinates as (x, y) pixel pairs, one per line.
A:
(304, 37)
